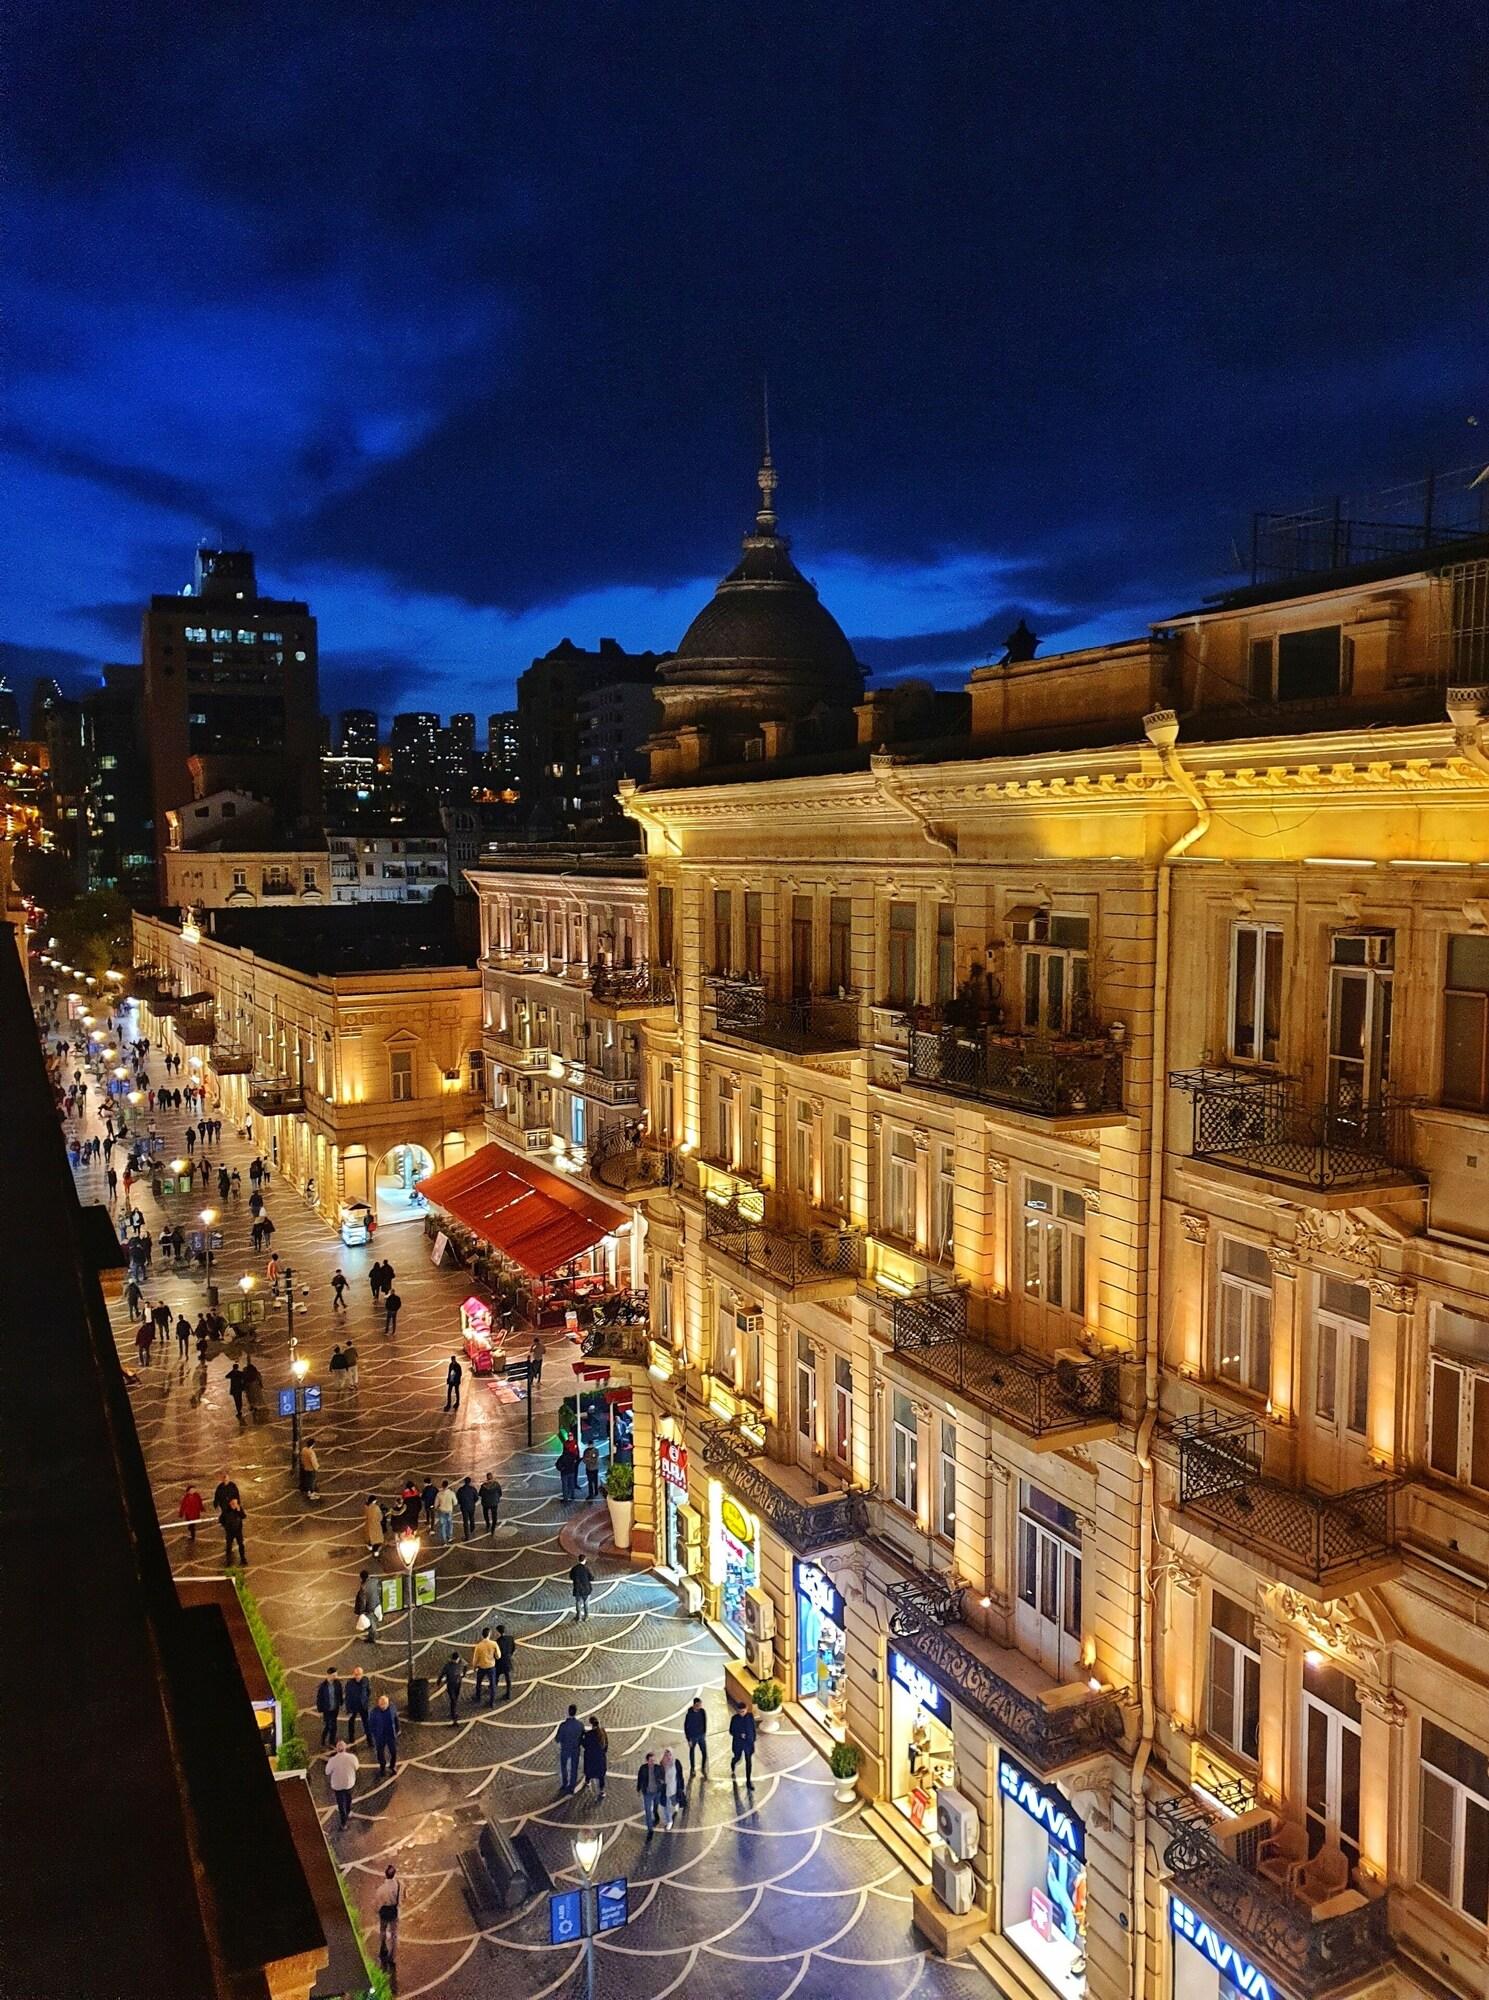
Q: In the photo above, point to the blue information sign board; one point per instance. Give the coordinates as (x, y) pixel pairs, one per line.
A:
(312, 1396)
(613, 1900)
(565, 1916)
(286, 1402)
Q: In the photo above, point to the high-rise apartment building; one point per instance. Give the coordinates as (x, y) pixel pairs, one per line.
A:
(120, 833)
(552, 733)
(415, 746)
(231, 695)
(356, 735)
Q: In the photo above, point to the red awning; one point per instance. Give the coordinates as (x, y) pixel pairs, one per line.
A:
(537, 1218)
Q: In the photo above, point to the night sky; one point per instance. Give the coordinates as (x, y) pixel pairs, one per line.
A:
(457, 313)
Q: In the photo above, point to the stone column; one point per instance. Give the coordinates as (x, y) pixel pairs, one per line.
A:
(922, 1140)
(1182, 1673)
(1191, 1293)
(1275, 1710)
(1282, 1396)
(997, 1208)
(1092, 1197)
(1393, 1301)
(1382, 1722)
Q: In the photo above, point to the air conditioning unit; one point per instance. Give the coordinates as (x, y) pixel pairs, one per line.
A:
(759, 1614)
(749, 1320)
(690, 1534)
(957, 1823)
(691, 1590)
(952, 1880)
(760, 1657)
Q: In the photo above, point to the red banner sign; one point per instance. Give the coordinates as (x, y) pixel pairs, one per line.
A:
(673, 1460)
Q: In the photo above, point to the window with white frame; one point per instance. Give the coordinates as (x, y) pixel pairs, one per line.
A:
(1458, 1398)
(839, 945)
(724, 1121)
(1255, 1026)
(664, 1305)
(943, 1203)
(1057, 973)
(400, 1075)
(1054, 1246)
(802, 1148)
(899, 1187)
(723, 933)
(1341, 1335)
(899, 983)
(751, 1378)
(667, 1103)
(842, 1409)
(725, 1334)
(1453, 1807)
(904, 1454)
(946, 1482)
(806, 1388)
(1243, 1318)
(754, 1131)
(840, 1164)
(1234, 1704)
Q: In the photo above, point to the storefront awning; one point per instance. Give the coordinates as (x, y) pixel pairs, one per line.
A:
(537, 1218)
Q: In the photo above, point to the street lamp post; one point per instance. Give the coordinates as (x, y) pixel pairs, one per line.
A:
(408, 1550)
(587, 1854)
(299, 1369)
(207, 1218)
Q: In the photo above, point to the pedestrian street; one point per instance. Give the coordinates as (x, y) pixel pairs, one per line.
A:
(750, 1897)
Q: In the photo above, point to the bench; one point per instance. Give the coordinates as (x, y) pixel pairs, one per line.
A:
(495, 1875)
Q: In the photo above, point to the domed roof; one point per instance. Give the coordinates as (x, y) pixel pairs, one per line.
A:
(767, 617)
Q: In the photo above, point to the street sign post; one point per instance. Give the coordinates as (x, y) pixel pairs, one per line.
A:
(613, 1904)
(565, 1916)
(522, 1371)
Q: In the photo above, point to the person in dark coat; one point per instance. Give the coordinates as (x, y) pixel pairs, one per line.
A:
(330, 1698)
(467, 1498)
(429, 1496)
(594, 1754)
(232, 1518)
(695, 1733)
(382, 1733)
(506, 1647)
(568, 1736)
(491, 1499)
(358, 1693)
(452, 1673)
(581, 1582)
(742, 1743)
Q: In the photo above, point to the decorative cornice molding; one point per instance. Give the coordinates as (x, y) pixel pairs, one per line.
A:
(1196, 1227)
(1337, 1233)
(1394, 1295)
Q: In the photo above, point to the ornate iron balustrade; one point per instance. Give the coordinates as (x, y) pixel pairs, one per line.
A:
(922, 1600)
(197, 1030)
(1035, 1396)
(229, 1060)
(789, 1258)
(276, 1095)
(1310, 1955)
(167, 999)
(1313, 1534)
(929, 1316)
(628, 1163)
(805, 1024)
(1050, 1078)
(806, 1525)
(618, 1340)
(1046, 1738)
(633, 985)
(1263, 1125)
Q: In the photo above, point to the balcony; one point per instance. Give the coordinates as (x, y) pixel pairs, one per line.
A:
(1079, 1081)
(808, 1521)
(610, 1080)
(1327, 1542)
(229, 1060)
(805, 1024)
(819, 1263)
(1262, 1126)
(1308, 1950)
(166, 999)
(277, 886)
(524, 1130)
(619, 1340)
(507, 1047)
(630, 992)
(1044, 1401)
(276, 1096)
(196, 1030)
(627, 1164)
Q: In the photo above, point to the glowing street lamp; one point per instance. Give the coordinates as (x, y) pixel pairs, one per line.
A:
(408, 1555)
(207, 1218)
(587, 1854)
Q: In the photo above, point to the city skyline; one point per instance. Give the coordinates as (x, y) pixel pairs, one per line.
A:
(471, 397)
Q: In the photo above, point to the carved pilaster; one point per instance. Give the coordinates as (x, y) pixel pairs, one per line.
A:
(997, 1170)
(1393, 1295)
(1196, 1227)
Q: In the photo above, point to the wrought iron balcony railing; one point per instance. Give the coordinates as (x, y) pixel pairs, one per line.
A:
(197, 1030)
(633, 985)
(804, 1024)
(618, 1340)
(1026, 1391)
(167, 999)
(790, 1258)
(1050, 1078)
(627, 1162)
(807, 1525)
(275, 1095)
(1312, 1535)
(1311, 1955)
(229, 1060)
(1263, 1125)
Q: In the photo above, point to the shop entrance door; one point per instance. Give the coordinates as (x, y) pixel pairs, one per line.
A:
(1331, 1758)
(1048, 1621)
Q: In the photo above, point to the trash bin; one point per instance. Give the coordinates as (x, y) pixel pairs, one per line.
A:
(418, 1699)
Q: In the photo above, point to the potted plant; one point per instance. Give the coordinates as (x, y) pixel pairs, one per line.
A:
(620, 1487)
(843, 1763)
(768, 1697)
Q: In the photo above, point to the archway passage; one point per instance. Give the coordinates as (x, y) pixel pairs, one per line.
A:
(398, 1172)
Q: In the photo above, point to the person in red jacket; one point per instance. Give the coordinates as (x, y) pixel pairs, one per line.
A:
(190, 1511)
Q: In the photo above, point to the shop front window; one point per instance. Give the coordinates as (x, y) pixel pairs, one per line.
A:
(1044, 1878)
(734, 1555)
(821, 1647)
(921, 1753)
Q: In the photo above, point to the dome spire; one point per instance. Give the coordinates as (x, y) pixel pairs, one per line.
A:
(765, 517)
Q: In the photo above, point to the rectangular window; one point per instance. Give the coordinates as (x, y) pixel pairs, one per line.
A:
(802, 1150)
(943, 1204)
(667, 1104)
(1235, 1676)
(842, 1409)
(899, 986)
(1458, 1398)
(723, 933)
(840, 1165)
(1465, 1023)
(1309, 664)
(945, 953)
(803, 970)
(1054, 1246)
(840, 945)
(665, 921)
(725, 1126)
(806, 1389)
(754, 944)
(1341, 1331)
(946, 1483)
(899, 1187)
(1057, 978)
(904, 1443)
(401, 1074)
(725, 1335)
(664, 1306)
(1256, 993)
(754, 1132)
(1244, 1317)
(1453, 1845)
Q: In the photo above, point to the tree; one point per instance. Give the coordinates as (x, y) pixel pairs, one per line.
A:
(93, 932)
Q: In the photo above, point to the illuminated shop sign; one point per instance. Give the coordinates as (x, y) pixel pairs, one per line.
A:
(1047, 1807)
(920, 1687)
(1222, 1954)
(673, 1459)
(816, 1586)
(737, 1522)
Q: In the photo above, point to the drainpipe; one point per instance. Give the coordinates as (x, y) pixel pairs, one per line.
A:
(1162, 731)
(881, 768)
(1468, 711)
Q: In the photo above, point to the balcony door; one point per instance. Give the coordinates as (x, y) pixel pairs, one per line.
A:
(1361, 977)
(1331, 1760)
(801, 947)
(1048, 1620)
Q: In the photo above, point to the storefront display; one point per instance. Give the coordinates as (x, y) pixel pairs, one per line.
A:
(734, 1554)
(821, 1647)
(921, 1755)
(1207, 1966)
(475, 1331)
(676, 1515)
(1044, 1878)
(356, 1223)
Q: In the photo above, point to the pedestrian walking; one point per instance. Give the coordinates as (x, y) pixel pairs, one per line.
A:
(742, 1743)
(375, 1281)
(594, 1756)
(382, 1734)
(452, 1673)
(389, 1903)
(453, 1376)
(568, 1736)
(483, 1658)
(392, 1305)
(366, 1608)
(144, 1340)
(656, 1798)
(429, 1496)
(232, 1518)
(506, 1647)
(535, 1358)
(190, 1512)
(358, 1693)
(467, 1497)
(310, 1466)
(341, 1776)
(183, 1335)
(581, 1582)
(338, 1292)
(695, 1734)
(673, 1784)
(329, 1697)
(352, 1358)
(568, 1470)
(444, 1512)
(338, 1368)
(372, 1524)
(592, 1470)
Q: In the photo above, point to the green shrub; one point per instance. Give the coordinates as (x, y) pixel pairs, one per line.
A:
(620, 1482)
(768, 1696)
(844, 1761)
(293, 1755)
